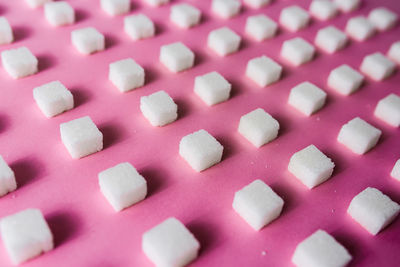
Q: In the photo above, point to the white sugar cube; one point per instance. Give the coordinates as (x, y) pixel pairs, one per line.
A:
(395, 173)
(382, 18)
(7, 178)
(377, 66)
(257, 3)
(294, 18)
(261, 27)
(59, 13)
(347, 5)
(212, 88)
(185, 15)
(330, 39)
(53, 98)
(19, 62)
(359, 136)
(225, 8)
(115, 7)
(320, 250)
(37, 3)
(176, 57)
(157, 2)
(126, 74)
(88, 40)
(159, 108)
(360, 28)
(307, 98)
(297, 51)
(170, 243)
(257, 204)
(6, 33)
(311, 166)
(81, 137)
(26, 235)
(139, 26)
(345, 80)
(263, 70)
(122, 186)
(388, 110)
(394, 52)
(323, 9)
(200, 150)
(373, 210)
(258, 127)
(223, 41)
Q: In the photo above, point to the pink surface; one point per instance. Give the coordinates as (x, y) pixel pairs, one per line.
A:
(86, 229)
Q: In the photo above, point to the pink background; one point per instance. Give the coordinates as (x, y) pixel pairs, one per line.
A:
(89, 233)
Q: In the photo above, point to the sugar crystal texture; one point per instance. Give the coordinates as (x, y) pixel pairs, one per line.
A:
(260, 27)
(26, 235)
(307, 98)
(257, 204)
(373, 210)
(330, 39)
(377, 66)
(311, 166)
(185, 15)
(7, 178)
(59, 13)
(139, 26)
(388, 110)
(321, 250)
(159, 108)
(122, 186)
(126, 74)
(19, 62)
(294, 18)
(200, 150)
(88, 40)
(212, 88)
(223, 41)
(176, 57)
(345, 80)
(263, 70)
(297, 51)
(170, 244)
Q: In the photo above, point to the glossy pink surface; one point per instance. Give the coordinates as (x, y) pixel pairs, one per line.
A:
(89, 233)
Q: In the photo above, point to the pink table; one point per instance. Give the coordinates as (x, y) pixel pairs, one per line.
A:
(89, 233)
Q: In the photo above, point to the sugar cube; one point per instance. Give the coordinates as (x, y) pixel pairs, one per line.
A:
(225, 8)
(382, 18)
(122, 186)
(159, 108)
(395, 173)
(294, 18)
(258, 127)
(307, 98)
(157, 2)
(297, 51)
(115, 7)
(320, 249)
(53, 98)
(263, 70)
(373, 210)
(170, 243)
(212, 88)
(330, 39)
(223, 41)
(345, 80)
(81, 137)
(26, 235)
(311, 166)
(200, 150)
(394, 52)
(323, 9)
(7, 178)
(37, 3)
(377, 66)
(347, 5)
(257, 204)
(260, 27)
(6, 33)
(176, 57)
(19, 62)
(257, 3)
(360, 28)
(139, 26)
(185, 15)
(59, 13)
(388, 110)
(88, 40)
(126, 74)
(359, 136)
